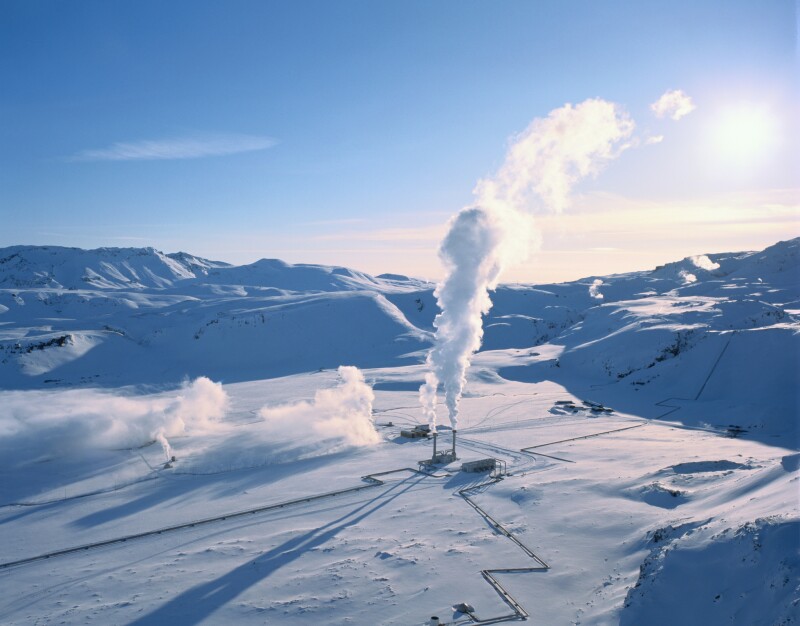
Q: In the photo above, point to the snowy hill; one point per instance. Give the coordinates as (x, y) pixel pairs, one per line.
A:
(119, 316)
(648, 422)
(105, 268)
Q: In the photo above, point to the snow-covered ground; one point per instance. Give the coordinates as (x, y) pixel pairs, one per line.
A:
(677, 506)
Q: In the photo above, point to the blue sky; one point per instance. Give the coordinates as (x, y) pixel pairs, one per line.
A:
(347, 132)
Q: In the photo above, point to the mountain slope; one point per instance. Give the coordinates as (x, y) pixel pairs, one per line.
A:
(116, 316)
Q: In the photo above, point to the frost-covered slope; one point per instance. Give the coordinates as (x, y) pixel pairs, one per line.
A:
(719, 350)
(54, 267)
(114, 316)
(119, 316)
(678, 504)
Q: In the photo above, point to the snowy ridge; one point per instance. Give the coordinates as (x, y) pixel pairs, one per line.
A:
(650, 436)
(104, 268)
(56, 267)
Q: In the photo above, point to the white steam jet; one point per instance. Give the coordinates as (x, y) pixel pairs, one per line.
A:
(540, 167)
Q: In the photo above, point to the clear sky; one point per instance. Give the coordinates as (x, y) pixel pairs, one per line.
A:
(347, 132)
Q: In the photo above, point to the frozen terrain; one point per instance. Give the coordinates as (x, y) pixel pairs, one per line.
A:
(648, 422)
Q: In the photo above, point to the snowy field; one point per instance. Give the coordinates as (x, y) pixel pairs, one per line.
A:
(670, 498)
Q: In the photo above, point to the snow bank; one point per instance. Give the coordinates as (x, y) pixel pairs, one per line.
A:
(746, 575)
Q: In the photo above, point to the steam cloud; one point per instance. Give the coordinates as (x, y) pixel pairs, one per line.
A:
(687, 277)
(343, 412)
(71, 425)
(700, 261)
(541, 166)
(704, 263)
(38, 425)
(594, 289)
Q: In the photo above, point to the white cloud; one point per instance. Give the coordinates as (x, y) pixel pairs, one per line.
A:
(674, 104)
(653, 139)
(176, 148)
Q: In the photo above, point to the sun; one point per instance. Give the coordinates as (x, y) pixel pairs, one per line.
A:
(744, 135)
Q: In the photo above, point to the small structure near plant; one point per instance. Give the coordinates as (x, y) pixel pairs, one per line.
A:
(481, 465)
(420, 430)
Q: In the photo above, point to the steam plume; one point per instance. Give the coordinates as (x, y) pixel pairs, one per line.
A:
(594, 289)
(687, 277)
(160, 438)
(343, 412)
(541, 166)
(704, 263)
(48, 424)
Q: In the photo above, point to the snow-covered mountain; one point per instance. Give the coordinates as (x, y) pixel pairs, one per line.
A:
(120, 316)
(25, 267)
(648, 421)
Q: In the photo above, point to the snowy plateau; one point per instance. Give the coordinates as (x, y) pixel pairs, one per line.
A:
(644, 428)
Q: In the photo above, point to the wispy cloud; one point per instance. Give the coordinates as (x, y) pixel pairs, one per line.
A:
(176, 148)
(674, 104)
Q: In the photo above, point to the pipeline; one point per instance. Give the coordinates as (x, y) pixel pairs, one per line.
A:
(519, 612)
(370, 479)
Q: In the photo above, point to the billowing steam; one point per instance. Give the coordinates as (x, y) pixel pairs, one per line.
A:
(541, 166)
(41, 425)
(701, 262)
(162, 440)
(343, 412)
(61, 425)
(704, 263)
(594, 289)
(687, 277)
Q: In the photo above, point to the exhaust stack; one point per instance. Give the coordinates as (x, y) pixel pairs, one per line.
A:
(440, 457)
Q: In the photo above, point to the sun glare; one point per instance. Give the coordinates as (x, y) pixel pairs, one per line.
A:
(744, 135)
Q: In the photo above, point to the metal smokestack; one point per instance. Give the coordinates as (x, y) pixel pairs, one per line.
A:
(454, 443)
(433, 458)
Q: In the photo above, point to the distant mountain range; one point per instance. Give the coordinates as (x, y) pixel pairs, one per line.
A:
(118, 316)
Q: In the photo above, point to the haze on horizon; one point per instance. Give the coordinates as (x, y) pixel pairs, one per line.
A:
(348, 133)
